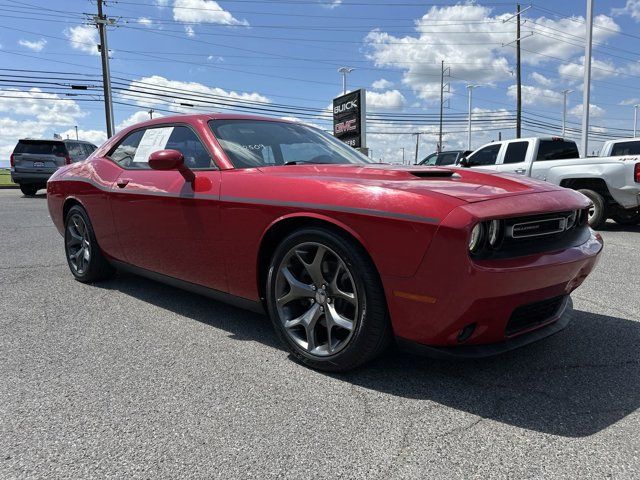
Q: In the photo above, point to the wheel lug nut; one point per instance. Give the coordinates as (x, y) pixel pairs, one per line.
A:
(322, 309)
(313, 287)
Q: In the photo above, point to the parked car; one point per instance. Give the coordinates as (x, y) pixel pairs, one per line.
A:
(450, 157)
(611, 183)
(33, 161)
(620, 147)
(340, 252)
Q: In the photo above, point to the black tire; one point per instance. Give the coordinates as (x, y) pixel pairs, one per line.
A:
(97, 267)
(29, 190)
(598, 218)
(371, 333)
(626, 217)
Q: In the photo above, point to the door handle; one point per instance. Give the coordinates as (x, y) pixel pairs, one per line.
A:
(521, 171)
(122, 182)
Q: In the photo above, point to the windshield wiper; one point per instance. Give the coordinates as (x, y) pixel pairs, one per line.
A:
(298, 162)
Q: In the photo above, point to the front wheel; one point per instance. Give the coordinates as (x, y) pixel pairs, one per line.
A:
(85, 259)
(598, 209)
(326, 300)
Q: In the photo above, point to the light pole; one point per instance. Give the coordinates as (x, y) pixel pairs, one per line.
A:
(470, 89)
(587, 79)
(635, 119)
(344, 71)
(78, 139)
(564, 110)
(403, 154)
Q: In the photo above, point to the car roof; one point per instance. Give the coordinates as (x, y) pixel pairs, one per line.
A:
(206, 117)
(61, 140)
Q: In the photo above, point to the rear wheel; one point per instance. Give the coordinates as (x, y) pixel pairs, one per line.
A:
(29, 190)
(326, 300)
(598, 209)
(626, 217)
(85, 259)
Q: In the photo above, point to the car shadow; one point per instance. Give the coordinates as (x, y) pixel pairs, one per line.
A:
(612, 226)
(573, 384)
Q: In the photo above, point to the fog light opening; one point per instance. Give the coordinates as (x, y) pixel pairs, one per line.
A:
(466, 332)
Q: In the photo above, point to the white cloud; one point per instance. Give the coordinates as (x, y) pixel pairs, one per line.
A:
(147, 22)
(84, 38)
(594, 111)
(97, 137)
(331, 4)
(387, 100)
(136, 117)
(189, 31)
(146, 95)
(381, 84)
(474, 46)
(632, 8)
(629, 101)
(35, 45)
(600, 69)
(541, 79)
(162, 3)
(532, 95)
(203, 11)
(44, 107)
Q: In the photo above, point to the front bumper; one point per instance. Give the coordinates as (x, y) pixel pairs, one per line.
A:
(559, 322)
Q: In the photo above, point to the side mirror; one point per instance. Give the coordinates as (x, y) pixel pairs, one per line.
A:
(170, 160)
(464, 162)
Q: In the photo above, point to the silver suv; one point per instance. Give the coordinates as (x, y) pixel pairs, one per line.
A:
(33, 161)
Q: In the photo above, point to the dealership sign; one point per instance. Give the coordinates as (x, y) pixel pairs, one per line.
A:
(349, 112)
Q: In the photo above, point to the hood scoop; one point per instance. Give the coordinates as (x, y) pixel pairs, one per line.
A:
(434, 173)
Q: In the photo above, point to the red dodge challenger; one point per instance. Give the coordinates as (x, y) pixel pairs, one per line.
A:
(343, 254)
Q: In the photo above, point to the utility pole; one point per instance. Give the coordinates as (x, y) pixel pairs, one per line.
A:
(402, 155)
(587, 79)
(344, 71)
(564, 111)
(417, 144)
(102, 21)
(78, 138)
(470, 89)
(635, 119)
(442, 87)
(151, 113)
(518, 78)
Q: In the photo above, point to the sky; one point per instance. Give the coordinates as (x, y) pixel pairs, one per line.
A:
(280, 58)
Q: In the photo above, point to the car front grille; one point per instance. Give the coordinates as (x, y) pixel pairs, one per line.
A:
(528, 316)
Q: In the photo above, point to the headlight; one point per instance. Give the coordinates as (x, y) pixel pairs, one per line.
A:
(494, 233)
(475, 240)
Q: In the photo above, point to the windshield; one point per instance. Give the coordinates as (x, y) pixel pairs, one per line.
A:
(259, 143)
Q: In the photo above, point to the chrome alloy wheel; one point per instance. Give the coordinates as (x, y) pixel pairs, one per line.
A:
(316, 299)
(592, 212)
(78, 244)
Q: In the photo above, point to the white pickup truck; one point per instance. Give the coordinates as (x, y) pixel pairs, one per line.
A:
(612, 183)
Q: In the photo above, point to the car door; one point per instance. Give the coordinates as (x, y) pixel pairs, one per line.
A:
(485, 157)
(165, 223)
(515, 159)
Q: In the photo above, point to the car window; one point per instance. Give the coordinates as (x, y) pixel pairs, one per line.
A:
(485, 156)
(41, 147)
(76, 151)
(257, 143)
(134, 150)
(626, 148)
(516, 152)
(185, 140)
(557, 150)
(88, 148)
(125, 151)
(447, 158)
(430, 160)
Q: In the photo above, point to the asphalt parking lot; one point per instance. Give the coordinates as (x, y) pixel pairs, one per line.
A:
(134, 379)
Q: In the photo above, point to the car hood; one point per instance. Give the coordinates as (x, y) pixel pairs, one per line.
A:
(464, 184)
